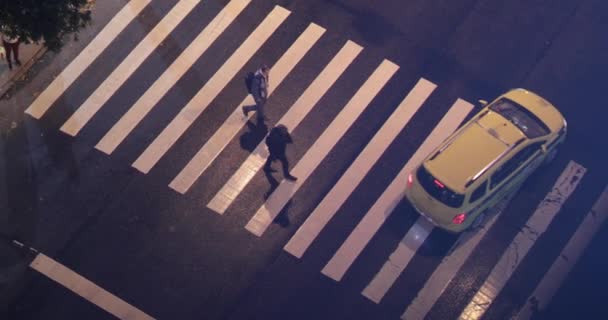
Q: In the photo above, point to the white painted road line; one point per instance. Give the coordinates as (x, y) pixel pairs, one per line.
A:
(567, 259)
(87, 289)
(319, 150)
(297, 112)
(229, 129)
(449, 266)
(398, 260)
(519, 248)
(169, 78)
(118, 23)
(384, 206)
(330, 204)
(127, 67)
(210, 90)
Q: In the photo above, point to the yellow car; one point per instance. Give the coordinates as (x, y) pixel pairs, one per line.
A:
(486, 160)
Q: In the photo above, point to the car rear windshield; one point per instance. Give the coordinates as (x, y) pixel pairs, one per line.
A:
(525, 120)
(439, 191)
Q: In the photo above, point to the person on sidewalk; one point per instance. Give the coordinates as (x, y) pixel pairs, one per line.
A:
(277, 141)
(259, 91)
(11, 45)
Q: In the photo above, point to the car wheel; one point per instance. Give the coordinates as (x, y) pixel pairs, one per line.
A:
(479, 220)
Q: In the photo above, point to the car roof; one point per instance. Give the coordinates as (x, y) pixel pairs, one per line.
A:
(540, 107)
(473, 150)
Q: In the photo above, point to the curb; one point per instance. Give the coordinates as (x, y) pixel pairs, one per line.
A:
(4, 88)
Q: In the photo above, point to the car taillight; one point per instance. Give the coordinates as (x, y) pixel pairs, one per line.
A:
(459, 218)
(438, 183)
(410, 180)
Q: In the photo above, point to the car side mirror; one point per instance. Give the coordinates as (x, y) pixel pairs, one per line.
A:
(482, 102)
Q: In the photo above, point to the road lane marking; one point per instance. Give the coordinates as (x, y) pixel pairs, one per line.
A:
(384, 206)
(567, 259)
(210, 90)
(319, 150)
(169, 78)
(449, 266)
(523, 242)
(87, 289)
(229, 129)
(330, 204)
(398, 260)
(222, 200)
(127, 67)
(101, 41)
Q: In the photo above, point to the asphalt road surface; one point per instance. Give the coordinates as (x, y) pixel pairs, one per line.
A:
(136, 176)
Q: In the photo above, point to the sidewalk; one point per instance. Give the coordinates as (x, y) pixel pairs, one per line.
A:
(28, 54)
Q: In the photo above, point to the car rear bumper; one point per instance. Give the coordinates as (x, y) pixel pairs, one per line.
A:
(451, 228)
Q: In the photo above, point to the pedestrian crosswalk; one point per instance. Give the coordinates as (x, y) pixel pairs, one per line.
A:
(127, 67)
(448, 268)
(370, 156)
(120, 21)
(163, 84)
(210, 90)
(385, 205)
(294, 116)
(357, 170)
(567, 259)
(270, 210)
(230, 128)
(523, 242)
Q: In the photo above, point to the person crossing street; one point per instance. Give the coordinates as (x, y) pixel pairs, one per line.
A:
(277, 141)
(259, 91)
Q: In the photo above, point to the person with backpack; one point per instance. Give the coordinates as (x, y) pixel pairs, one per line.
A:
(277, 141)
(257, 84)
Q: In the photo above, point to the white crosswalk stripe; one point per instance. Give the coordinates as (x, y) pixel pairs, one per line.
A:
(330, 204)
(398, 260)
(65, 79)
(178, 68)
(567, 259)
(384, 206)
(449, 266)
(212, 148)
(294, 116)
(520, 246)
(127, 67)
(319, 150)
(210, 90)
(372, 221)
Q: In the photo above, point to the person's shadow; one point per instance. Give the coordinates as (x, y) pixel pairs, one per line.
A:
(250, 139)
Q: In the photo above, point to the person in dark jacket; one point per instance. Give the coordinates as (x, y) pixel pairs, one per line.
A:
(259, 91)
(277, 141)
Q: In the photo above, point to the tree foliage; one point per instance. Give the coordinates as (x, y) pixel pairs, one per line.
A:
(46, 21)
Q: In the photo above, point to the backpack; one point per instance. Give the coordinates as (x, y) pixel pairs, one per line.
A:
(278, 136)
(249, 81)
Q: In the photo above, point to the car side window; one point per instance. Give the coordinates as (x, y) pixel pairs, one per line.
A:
(479, 192)
(512, 164)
